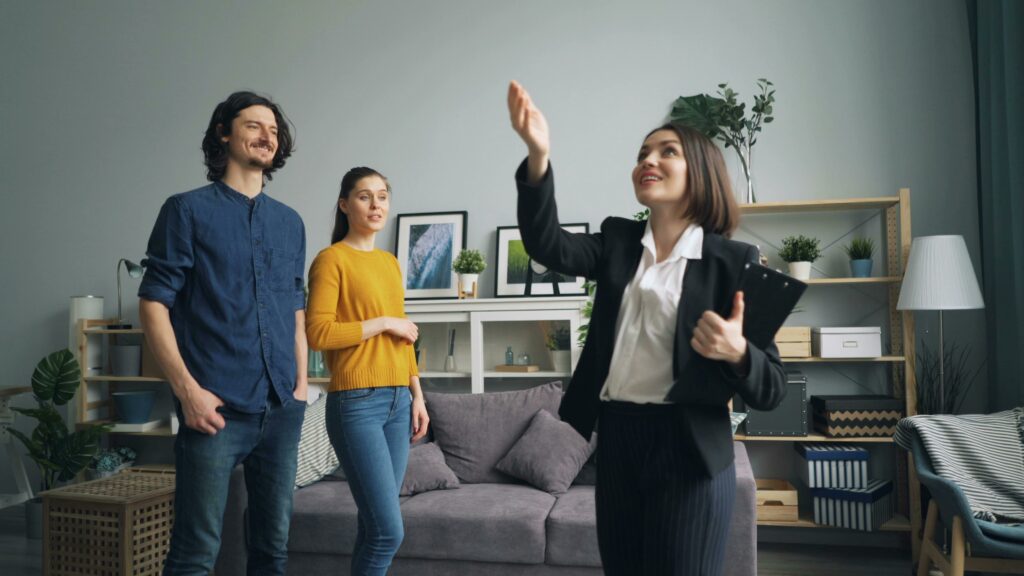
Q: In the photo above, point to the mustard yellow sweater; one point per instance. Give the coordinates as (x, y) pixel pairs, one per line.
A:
(346, 287)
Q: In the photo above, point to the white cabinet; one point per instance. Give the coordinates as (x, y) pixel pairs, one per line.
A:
(484, 329)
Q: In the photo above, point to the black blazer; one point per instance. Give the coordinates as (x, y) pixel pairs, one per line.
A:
(702, 387)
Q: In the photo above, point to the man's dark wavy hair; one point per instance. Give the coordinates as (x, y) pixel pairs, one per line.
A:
(215, 151)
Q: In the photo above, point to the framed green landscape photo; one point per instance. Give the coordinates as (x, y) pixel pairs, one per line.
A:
(517, 275)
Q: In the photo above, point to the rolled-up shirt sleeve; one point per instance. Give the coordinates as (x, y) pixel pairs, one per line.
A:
(169, 255)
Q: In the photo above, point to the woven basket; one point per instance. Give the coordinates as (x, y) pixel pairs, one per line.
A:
(116, 526)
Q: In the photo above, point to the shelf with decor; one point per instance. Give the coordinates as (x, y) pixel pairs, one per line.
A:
(898, 358)
(134, 371)
(476, 333)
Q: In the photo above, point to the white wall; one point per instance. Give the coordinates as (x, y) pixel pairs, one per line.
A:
(104, 106)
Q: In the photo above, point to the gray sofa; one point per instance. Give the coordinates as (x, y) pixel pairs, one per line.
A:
(493, 528)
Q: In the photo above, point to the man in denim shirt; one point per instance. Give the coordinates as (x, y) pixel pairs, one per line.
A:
(222, 306)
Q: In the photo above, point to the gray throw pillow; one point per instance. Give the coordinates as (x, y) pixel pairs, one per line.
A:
(475, 430)
(427, 471)
(548, 455)
(316, 457)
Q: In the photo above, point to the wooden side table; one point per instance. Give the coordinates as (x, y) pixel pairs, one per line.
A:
(115, 526)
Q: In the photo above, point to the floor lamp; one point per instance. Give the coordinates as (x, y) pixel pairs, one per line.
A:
(939, 277)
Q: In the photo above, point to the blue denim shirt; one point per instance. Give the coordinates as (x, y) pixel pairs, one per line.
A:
(230, 270)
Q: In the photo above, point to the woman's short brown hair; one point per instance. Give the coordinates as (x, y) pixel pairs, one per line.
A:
(709, 200)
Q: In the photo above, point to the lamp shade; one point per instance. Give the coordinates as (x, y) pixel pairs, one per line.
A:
(939, 276)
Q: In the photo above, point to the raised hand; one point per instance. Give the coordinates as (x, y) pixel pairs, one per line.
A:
(718, 338)
(532, 127)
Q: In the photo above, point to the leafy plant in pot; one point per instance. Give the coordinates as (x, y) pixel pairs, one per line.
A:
(800, 251)
(108, 462)
(60, 453)
(722, 117)
(557, 342)
(468, 265)
(860, 251)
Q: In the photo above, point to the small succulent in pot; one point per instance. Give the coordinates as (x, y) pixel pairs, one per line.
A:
(469, 262)
(800, 251)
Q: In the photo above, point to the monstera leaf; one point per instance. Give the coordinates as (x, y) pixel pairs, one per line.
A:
(56, 378)
(59, 453)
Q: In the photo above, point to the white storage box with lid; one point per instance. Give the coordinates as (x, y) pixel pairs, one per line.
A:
(847, 342)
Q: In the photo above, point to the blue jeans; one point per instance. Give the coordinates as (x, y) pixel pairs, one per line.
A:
(267, 445)
(370, 429)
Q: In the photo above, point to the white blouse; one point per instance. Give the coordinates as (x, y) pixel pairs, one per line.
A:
(641, 366)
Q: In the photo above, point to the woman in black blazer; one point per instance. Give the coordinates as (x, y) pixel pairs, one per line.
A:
(665, 350)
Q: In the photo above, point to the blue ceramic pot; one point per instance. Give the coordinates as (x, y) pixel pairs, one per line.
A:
(134, 407)
(861, 268)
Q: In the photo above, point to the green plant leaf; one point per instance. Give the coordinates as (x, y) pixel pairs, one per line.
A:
(56, 377)
(700, 112)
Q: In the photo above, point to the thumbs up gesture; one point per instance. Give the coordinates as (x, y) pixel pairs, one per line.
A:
(720, 338)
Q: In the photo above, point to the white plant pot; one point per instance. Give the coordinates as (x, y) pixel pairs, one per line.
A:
(560, 360)
(466, 282)
(800, 270)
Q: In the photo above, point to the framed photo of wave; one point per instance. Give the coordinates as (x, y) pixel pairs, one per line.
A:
(517, 275)
(426, 246)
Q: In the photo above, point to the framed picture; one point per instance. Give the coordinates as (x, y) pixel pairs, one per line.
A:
(427, 245)
(517, 275)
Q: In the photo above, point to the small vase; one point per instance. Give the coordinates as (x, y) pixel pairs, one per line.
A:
(800, 270)
(861, 268)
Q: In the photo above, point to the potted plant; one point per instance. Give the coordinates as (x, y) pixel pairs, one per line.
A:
(110, 461)
(60, 454)
(724, 118)
(557, 342)
(468, 265)
(800, 251)
(860, 251)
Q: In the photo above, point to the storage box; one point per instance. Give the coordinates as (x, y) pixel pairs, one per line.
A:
(794, 341)
(858, 509)
(855, 342)
(116, 526)
(776, 501)
(861, 415)
(789, 418)
(833, 466)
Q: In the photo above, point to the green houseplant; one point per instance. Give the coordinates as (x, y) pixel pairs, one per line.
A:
(60, 454)
(722, 117)
(468, 265)
(860, 251)
(557, 342)
(800, 251)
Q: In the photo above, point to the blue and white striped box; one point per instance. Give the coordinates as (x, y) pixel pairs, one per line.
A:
(833, 465)
(863, 509)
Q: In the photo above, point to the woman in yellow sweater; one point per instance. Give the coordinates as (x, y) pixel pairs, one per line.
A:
(375, 404)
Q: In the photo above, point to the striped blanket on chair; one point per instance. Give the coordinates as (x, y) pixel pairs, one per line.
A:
(981, 453)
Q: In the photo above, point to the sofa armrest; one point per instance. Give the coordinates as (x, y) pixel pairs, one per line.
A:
(741, 554)
(234, 548)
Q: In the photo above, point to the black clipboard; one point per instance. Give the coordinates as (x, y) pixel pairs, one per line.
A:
(769, 296)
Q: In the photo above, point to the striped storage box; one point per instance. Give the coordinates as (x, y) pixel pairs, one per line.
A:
(863, 509)
(832, 466)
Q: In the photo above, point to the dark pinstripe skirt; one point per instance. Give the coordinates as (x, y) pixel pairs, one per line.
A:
(657, 511)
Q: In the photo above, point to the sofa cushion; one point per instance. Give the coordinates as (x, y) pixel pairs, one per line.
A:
(548, 455)
(316, 457)
(482, 522)
(572, 529)
(475, 430)
(324, 519)
(427, 471)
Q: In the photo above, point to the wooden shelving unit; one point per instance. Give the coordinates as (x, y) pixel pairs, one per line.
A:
(901, 355)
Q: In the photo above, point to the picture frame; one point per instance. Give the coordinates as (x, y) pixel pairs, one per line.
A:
(512, 268)
(426, 244)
